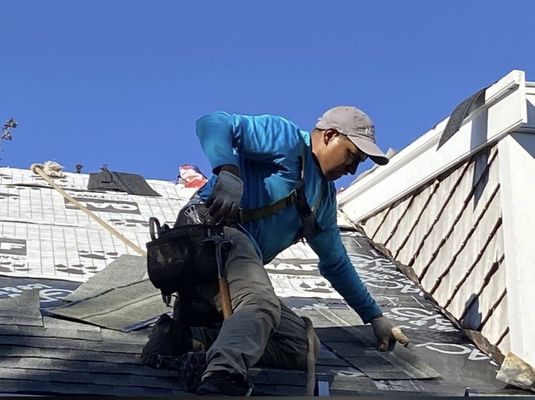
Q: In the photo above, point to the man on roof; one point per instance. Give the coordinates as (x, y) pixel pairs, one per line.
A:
(282, 177)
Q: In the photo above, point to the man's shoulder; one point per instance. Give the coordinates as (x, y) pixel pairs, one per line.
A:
(276, 120)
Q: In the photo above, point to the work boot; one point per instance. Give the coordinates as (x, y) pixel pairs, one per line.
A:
(189, 366)
(222, 383)
(169, 338)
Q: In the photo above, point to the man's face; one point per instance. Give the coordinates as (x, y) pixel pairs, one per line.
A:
(341, 157)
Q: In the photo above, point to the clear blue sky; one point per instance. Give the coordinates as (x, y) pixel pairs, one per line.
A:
(122, 82)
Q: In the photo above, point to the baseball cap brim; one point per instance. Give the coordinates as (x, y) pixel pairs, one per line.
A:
(370, 149)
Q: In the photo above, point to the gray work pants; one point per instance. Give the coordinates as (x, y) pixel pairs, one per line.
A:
(261, 329)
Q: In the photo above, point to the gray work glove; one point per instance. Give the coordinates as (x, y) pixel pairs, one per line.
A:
(387, 334)
(224, 202)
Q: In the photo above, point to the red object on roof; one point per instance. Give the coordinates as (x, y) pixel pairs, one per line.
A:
(191, 176)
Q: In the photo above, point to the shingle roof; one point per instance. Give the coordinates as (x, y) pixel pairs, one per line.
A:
(53, 355)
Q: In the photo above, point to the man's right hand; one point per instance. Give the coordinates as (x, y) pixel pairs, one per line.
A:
(387, 334)
(224, 202)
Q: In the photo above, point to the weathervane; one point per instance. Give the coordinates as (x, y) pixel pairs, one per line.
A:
(8, 125)
(6, 130)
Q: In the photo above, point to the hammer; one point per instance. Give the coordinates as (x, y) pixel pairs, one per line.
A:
(224, 292)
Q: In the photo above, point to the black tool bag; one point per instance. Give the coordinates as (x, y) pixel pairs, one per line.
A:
(181, 257)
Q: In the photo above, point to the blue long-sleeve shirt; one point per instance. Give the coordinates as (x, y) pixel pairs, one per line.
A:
(267, 149)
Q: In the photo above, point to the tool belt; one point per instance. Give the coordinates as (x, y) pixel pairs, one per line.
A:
(184, 256)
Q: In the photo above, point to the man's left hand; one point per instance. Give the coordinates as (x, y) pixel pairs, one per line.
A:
(387, 334)
(224, 202)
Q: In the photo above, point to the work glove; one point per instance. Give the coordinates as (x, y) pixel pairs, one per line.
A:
(387, 334)
(224, 202)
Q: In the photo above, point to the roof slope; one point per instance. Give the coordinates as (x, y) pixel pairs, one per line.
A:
(48, 354)
(458, 215)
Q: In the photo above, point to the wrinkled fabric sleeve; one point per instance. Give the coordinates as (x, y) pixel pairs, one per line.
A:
(336, 267)
(223, 136)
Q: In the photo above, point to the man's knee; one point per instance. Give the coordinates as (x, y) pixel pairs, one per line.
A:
(265, 306)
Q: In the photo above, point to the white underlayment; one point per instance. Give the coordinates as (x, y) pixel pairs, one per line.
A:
(43, 235)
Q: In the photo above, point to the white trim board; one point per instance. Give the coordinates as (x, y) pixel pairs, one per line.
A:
(517, 177)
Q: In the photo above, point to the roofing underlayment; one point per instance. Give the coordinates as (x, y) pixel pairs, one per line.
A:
(75, 305)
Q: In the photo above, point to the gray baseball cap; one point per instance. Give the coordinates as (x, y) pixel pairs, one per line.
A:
(357, 126)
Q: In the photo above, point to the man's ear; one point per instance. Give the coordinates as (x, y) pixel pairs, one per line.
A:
(328, 135)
